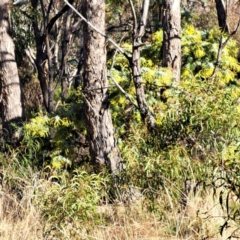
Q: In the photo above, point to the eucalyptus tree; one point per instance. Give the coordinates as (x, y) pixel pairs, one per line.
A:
(138, 31)
(102, 144)
(54, 31)
(172, 37)
(11, 106)
(47, 34)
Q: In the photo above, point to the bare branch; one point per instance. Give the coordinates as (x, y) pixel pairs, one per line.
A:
(138, 32)
(143, 22)
(95, 29)
(222, 45)
(58, 15)
(114, 56)
(122, 91)
(135, 23)
(117, 85)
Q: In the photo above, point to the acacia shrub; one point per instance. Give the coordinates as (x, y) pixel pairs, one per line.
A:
(197, 128)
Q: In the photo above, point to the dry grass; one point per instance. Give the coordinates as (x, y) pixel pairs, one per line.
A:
(200, 219)
(19, 220)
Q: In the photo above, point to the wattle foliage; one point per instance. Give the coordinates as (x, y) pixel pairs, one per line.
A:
(196, 135)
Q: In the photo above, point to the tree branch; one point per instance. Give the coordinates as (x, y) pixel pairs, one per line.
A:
(135, 23)
(122, 91)
(222, 45)
(99, 32)
(58, 15)
(117, 85)
(143, 22)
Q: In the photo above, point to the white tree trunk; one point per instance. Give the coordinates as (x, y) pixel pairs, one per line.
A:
(10, 91)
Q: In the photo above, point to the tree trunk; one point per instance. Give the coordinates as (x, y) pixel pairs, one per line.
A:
(66, 39)
(41, 65)
(103, 149)
(138, 33)
(43, 31)
(41, 57)
(10, 92)
(222, 15)
(172, 37)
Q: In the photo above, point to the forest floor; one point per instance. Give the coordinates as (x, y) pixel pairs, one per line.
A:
(200, 219)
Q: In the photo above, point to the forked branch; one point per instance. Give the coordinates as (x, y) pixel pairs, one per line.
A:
(222, 45)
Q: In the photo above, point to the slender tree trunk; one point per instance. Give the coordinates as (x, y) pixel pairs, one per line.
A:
(103, 149)
(66, 39)
(10, 92)
(41, 58)
(172, 37)
(44, 47)
(222, 15)
(78, 79)
(45, 36)
(138, 33)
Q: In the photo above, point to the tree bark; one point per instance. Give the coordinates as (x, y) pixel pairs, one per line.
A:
(66, 39)
(138, 33)
(222, 15)
(172, 37)
(103, 148)
(41, 56)
(11, 106)
(44, 48)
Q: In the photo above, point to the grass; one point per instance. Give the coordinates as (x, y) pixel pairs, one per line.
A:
(200, 219)
(22, 207)
(19, 220)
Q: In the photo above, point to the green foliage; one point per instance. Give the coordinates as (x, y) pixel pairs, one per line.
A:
(154, 77)
(196, 136)
(197, 120)
(69, 203)
(22, 32)
(200, 49)
(52, 139)
(199, 54)
(189, 143)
